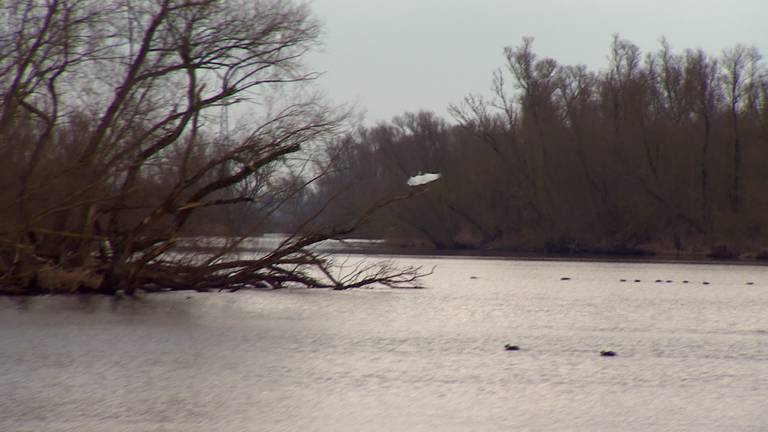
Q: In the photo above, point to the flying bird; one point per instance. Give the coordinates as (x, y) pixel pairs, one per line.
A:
(422, 179)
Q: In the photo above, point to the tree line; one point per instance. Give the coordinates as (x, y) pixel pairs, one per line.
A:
(662, 152)
(114, 159)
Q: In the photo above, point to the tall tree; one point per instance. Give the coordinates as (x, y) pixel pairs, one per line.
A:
(108, 108)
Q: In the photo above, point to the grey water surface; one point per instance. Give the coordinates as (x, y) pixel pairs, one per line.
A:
(691, 357)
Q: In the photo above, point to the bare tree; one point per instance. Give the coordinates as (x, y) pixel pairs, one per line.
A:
(701, 87)
(105, 108)
(739, 77)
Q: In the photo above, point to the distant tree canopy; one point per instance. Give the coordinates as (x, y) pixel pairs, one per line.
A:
(664, 151)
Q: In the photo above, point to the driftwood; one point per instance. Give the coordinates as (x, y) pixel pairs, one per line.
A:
(160, 265)
(183, 273)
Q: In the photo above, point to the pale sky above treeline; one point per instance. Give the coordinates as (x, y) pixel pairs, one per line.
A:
(392, 56)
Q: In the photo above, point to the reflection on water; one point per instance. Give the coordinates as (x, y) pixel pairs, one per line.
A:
(691, 357)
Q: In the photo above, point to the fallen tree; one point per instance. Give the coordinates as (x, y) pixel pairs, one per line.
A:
(107, 119)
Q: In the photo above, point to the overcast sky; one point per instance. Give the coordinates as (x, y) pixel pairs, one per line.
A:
(392, 56)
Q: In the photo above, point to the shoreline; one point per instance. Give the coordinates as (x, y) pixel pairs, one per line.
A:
(530, 256)
(266, 243)
(405, 252)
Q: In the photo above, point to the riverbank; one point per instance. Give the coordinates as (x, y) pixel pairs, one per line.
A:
(544, 256)
(266, 243)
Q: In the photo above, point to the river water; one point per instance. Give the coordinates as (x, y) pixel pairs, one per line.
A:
(691, 357)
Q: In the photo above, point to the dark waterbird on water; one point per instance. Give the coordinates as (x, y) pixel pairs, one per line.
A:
(607, 353)
(510, 347)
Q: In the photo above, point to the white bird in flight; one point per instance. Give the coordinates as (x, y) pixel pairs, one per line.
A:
(422, 179)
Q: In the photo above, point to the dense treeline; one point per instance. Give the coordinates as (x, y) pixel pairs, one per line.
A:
(664, 152)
